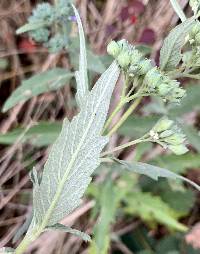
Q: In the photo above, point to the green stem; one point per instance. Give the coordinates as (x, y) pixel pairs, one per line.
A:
(122, 102)
(28, 239)
(116, 110)
(125, 116)
(131, 143)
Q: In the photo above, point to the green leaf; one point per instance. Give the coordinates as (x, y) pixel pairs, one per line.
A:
(50, 80)
(178, 10)
(63, 228)
(180, 201)
(75, 155)
(81, 75)
(23, 228)
(41, 134)
(193, 137)
(30, 26)
(153, 172)
(189, 103)
(109, 200)
(151, 208)
(170, 54)
(96, 63)
(136, 127)
(177, 163)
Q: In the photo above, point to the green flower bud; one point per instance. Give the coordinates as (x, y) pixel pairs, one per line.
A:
(195, 29)
(197, 38)
(133, 70)
(179, 92)
(178, 149)
(195, 4)
(144, 66)
(136, 56)
(152, 78)
(124, 59)
(164, 89)
(113, 49)
(166, 133)
(175, 139)
(163, 124)
(123, 44)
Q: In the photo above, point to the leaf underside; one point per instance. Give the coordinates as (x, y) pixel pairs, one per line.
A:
(170, 54)
(75, 155)
(154, 172)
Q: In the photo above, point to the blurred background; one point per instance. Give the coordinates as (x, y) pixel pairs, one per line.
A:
(125, 213)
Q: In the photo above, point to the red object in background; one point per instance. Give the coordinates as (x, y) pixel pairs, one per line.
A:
(133, 9)
(133, 19)
(27, 45)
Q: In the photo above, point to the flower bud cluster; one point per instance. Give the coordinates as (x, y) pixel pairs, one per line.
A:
(48, 16)
(135, 65)
(192, 58)
(195, 5)
(167, 134)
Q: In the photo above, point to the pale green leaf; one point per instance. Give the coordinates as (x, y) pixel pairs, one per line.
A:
(177, 163)
(63, 228)
(170, 54)
(151, 208)
(41, 134)
(95, 63)
(178, 10)
(189, 103)
(75, 155)
(81, 75)
(109, 201)
(154, 172)
(22, 230)
(44, 82)
(136, 126)
(30, 26)
(193, 136)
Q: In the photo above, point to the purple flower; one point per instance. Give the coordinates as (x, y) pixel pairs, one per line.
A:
(72, 18)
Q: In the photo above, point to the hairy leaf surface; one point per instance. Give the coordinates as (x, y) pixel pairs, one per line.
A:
(153, 172)
(81, 75)
(170, 54)
(63, 228)
(30, 26)
(75, 155)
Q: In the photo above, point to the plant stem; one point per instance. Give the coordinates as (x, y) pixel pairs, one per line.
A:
(116, 110)
(125, 116)
(121, 103)
(28, 239)
(131, 143)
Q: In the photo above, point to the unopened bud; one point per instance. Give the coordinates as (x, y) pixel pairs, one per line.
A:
(113, 49)
(166, 133)
(144, 66)
(197, 38)
(124, 59)
(136, 56)
(178, 149)
(175, 139)
(163, 89)
(163, 125)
